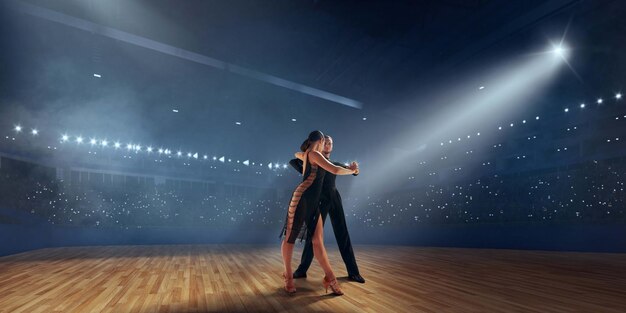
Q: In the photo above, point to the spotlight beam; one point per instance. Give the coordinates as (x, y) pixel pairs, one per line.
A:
(510, 88)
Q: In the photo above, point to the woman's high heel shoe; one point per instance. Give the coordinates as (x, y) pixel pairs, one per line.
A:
(334, 286)
(289, 286)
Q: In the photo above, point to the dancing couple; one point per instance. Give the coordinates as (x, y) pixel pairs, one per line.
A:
(314, 198)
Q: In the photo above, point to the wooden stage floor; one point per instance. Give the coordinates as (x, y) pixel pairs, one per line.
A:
(246, 278)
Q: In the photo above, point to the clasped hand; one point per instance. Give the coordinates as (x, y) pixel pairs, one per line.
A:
(354, 166)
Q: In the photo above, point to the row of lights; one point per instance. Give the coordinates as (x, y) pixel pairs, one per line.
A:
(138, 148)
(618, 96)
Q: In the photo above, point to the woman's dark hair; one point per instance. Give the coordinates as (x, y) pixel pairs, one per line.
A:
(313, 137)
(304, 145)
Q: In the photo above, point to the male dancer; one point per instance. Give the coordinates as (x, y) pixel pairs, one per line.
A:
(330, 203)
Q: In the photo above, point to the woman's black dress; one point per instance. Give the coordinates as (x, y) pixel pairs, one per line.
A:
(304, 208)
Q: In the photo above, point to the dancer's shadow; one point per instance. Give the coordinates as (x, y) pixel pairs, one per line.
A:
(304, 297)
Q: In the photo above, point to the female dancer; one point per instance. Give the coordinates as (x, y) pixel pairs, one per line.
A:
(303, 218)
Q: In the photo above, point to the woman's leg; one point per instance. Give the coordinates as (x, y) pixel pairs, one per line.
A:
(286, 248)
(287, 251)
(320, 251)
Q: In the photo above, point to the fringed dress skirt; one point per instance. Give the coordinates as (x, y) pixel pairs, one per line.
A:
(304, 208)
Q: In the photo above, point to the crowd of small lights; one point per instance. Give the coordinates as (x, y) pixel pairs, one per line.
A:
(123, 205)
(592, 192)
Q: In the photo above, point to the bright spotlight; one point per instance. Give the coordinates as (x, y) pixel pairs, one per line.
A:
(222, 159)
(582, 105)
(188, 154)
(195, 155)
(160, 150)
(149, 149)
(179, 153)
(18, 128)
(92, 141)
(214, 158)
(269, 166)
(79, 139)
(618, 96)
(558, 51)
(205, 157)
(117, 145)
(129, 146)
(104, 143)
(599, 101)
(566, 110)
(35, 132)
(138, 147)
(65, 137)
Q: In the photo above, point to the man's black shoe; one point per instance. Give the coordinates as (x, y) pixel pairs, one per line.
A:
(298, 274)
(357, 278)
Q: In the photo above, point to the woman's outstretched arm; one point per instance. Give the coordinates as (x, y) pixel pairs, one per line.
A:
(356, 165)
(320, 160)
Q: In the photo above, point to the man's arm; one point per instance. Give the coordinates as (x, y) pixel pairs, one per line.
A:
(296, 164)
(344, 166)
